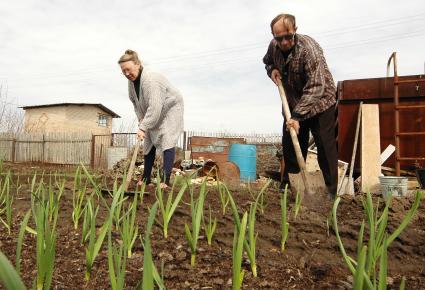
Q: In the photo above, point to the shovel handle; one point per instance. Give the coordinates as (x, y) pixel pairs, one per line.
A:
(132, 164)
(294, 138)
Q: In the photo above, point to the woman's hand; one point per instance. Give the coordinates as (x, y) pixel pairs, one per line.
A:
(141, 134)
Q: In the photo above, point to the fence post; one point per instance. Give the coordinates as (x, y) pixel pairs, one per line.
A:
(13, 150)
(184, 140)
(93, 137)
(112, 139)
(42, 148)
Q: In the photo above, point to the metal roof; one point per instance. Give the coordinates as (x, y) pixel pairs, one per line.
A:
(102, 107)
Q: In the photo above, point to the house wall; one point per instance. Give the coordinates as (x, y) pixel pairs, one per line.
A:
(70, 118)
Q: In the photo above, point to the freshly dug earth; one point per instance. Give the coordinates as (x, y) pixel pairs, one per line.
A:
(311, 260)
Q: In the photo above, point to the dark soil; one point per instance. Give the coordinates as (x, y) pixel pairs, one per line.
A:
(311, 260)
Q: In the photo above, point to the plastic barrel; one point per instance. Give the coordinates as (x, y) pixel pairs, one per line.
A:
(393, 186)
(245, 157)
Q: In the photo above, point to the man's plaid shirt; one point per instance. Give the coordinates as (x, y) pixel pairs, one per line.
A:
(306, 78)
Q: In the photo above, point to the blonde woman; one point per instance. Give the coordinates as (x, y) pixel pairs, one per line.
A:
(159, 109)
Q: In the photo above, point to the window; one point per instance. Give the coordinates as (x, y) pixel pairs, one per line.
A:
(103, 121)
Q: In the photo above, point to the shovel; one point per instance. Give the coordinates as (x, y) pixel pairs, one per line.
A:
(132, 165)
(294, 138)
(129, 172)
(348, 181)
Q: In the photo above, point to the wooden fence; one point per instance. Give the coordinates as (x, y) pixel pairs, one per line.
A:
(54, 148)
(91, 150)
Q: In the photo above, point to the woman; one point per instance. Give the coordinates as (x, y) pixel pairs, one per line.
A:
(159, 109)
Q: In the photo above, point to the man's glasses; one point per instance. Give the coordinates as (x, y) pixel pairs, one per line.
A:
(287, 37)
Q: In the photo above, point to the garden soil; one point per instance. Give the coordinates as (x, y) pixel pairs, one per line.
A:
(311, 260)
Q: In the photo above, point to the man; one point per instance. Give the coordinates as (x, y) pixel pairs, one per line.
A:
(297, 60)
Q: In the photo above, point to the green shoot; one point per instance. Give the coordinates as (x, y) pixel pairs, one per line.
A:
(78, 196)
(210, 227)
(129, 229)
(20, 241)
(252, 238)
(260, 197)
(237, 221)
(224, 198)
(403, 283)
(366, 271)
(95, 244)
(54, 198)
(117, 217)
(284, 221)
(159, 279)
(117, 262)
(167, 209)
(148, 266)
(45, 238)
(89, 215)
(6, 201)
(197, 211)
(9, 278)
(238, 246)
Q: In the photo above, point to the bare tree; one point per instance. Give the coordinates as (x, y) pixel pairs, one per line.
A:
(125, 127)
(11, 117)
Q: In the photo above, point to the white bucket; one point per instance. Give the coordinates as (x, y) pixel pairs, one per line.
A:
(393, 186)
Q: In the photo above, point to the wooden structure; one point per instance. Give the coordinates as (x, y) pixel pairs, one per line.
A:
(381, 91)
(398, 134)
(212, 148)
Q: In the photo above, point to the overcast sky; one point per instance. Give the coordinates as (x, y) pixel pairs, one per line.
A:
(67, 51)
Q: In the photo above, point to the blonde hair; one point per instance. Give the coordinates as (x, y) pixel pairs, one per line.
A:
(288, 21)
(129, 55)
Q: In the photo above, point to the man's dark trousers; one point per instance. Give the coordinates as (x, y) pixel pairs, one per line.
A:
(322, 127)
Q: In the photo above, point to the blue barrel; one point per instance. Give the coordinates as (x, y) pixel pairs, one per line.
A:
(245, 157)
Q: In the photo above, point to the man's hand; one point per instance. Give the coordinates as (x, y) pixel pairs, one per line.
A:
(141, 134)
(294, 124)
(276, 76)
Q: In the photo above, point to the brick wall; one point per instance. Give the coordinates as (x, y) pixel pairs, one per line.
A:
(69, 118)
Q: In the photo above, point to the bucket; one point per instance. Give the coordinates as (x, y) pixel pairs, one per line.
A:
(245, 157)
(393, 186)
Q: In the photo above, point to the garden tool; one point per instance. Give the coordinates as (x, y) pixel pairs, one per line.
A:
(132, 165)
(294, 138)
(348, 183)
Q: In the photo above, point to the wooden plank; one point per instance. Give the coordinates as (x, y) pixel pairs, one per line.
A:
(314, 174)
(370, 148)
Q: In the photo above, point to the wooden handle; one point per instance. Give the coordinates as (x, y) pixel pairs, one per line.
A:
(294, 138)
(356, 138)
(132, 164)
